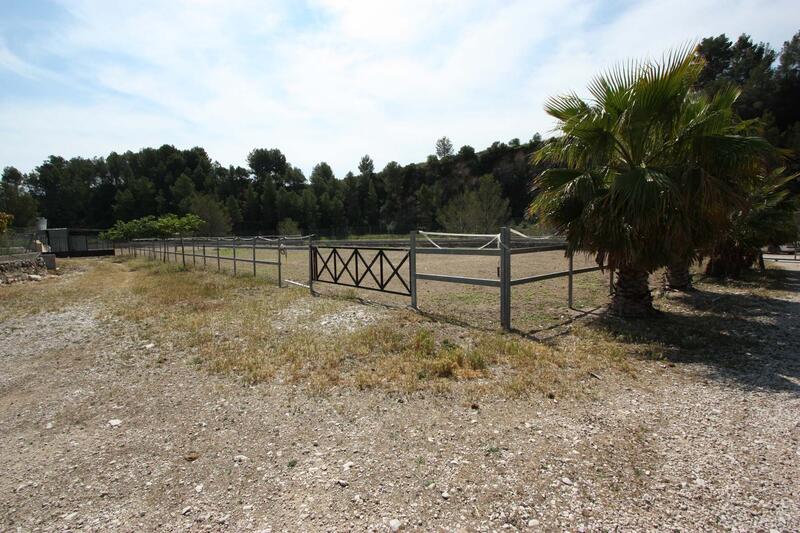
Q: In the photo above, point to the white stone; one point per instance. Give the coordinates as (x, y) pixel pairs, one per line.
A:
(115, 422)
(395, 524)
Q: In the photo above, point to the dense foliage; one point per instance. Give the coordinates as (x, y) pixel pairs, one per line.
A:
(5, 222)
(766, 217)
(646, 171)
(97, 192)
(149, 226)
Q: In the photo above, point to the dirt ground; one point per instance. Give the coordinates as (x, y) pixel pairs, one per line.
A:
(109, 424)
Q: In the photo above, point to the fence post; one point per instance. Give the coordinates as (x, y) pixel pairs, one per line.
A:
(183, 252)
(280, 263)
(218, 266)
(194, 253)
(233, 247)
(505, 278)
(204, 255)
(254, 258)
(412, 269)
(311, 264)
(569, 283)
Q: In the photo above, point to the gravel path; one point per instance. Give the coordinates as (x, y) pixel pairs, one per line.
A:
(102, 429)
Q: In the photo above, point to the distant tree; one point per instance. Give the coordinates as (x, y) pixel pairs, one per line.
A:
(372, 206)
(293, 178)
(15, 200)
(268, 199)
(216, 220)
(322, 179)
(182, 192)
(267, 162)
(310, 211)
(476, 211)
(287, 226)
(352, 201)
(252, 207)
(234, 211)
(366, 167)
(466, 152)
(136, 200)
(444, 148)
(427, 202)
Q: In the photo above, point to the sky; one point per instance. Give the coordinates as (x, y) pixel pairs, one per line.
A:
(323, 80)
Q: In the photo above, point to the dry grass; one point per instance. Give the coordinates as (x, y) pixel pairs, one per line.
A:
(248, 328)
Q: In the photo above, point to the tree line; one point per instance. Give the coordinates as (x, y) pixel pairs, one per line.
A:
(461, 190)
(270, 191)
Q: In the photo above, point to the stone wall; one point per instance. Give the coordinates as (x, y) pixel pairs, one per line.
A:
(27, 267)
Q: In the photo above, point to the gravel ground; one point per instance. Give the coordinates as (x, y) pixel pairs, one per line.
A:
(103, 429)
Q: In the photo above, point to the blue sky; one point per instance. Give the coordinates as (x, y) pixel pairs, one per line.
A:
(323, 80)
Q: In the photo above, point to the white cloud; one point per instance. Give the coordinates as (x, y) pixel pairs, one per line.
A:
(339, 78)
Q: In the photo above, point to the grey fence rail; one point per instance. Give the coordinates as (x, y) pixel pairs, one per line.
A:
(366, 265)
(196, 250)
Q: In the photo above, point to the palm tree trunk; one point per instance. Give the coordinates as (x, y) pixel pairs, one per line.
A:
(677, 276)
(632, 297)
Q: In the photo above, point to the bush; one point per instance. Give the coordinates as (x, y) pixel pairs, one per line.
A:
(287, 226)
(481, 211)
(149, 226)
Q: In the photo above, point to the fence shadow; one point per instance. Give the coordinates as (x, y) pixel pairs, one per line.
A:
(750, 340)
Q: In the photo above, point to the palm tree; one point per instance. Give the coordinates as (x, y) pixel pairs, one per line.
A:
(768, 217)
(638, 167)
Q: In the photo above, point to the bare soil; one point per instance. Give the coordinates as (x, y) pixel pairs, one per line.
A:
(110, 422)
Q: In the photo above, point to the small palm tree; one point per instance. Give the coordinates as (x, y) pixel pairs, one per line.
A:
(768, 217)
(642, 170)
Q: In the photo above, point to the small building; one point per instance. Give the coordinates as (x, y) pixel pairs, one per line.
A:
(73, 242)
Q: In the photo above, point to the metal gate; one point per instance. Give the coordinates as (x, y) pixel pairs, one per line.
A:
(361, 267)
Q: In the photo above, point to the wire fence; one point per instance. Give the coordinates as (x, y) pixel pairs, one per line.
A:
(215, 252)
(384, 265)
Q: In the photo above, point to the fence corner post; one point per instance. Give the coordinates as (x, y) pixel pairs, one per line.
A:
(505, 278)
(569, 282)
(412, 269)
(254, 260)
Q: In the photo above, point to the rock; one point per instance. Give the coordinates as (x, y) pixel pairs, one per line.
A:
(348, 465)
(115, 422)
(247, 508)
(446, 495)
(533, 522)
(149, 346)
(240, 458)
(34, 277)
(198, 488)
(186, 510)
(49, 425)
(342, 483)
(192, 456)
(395, 524)
(566, 481)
